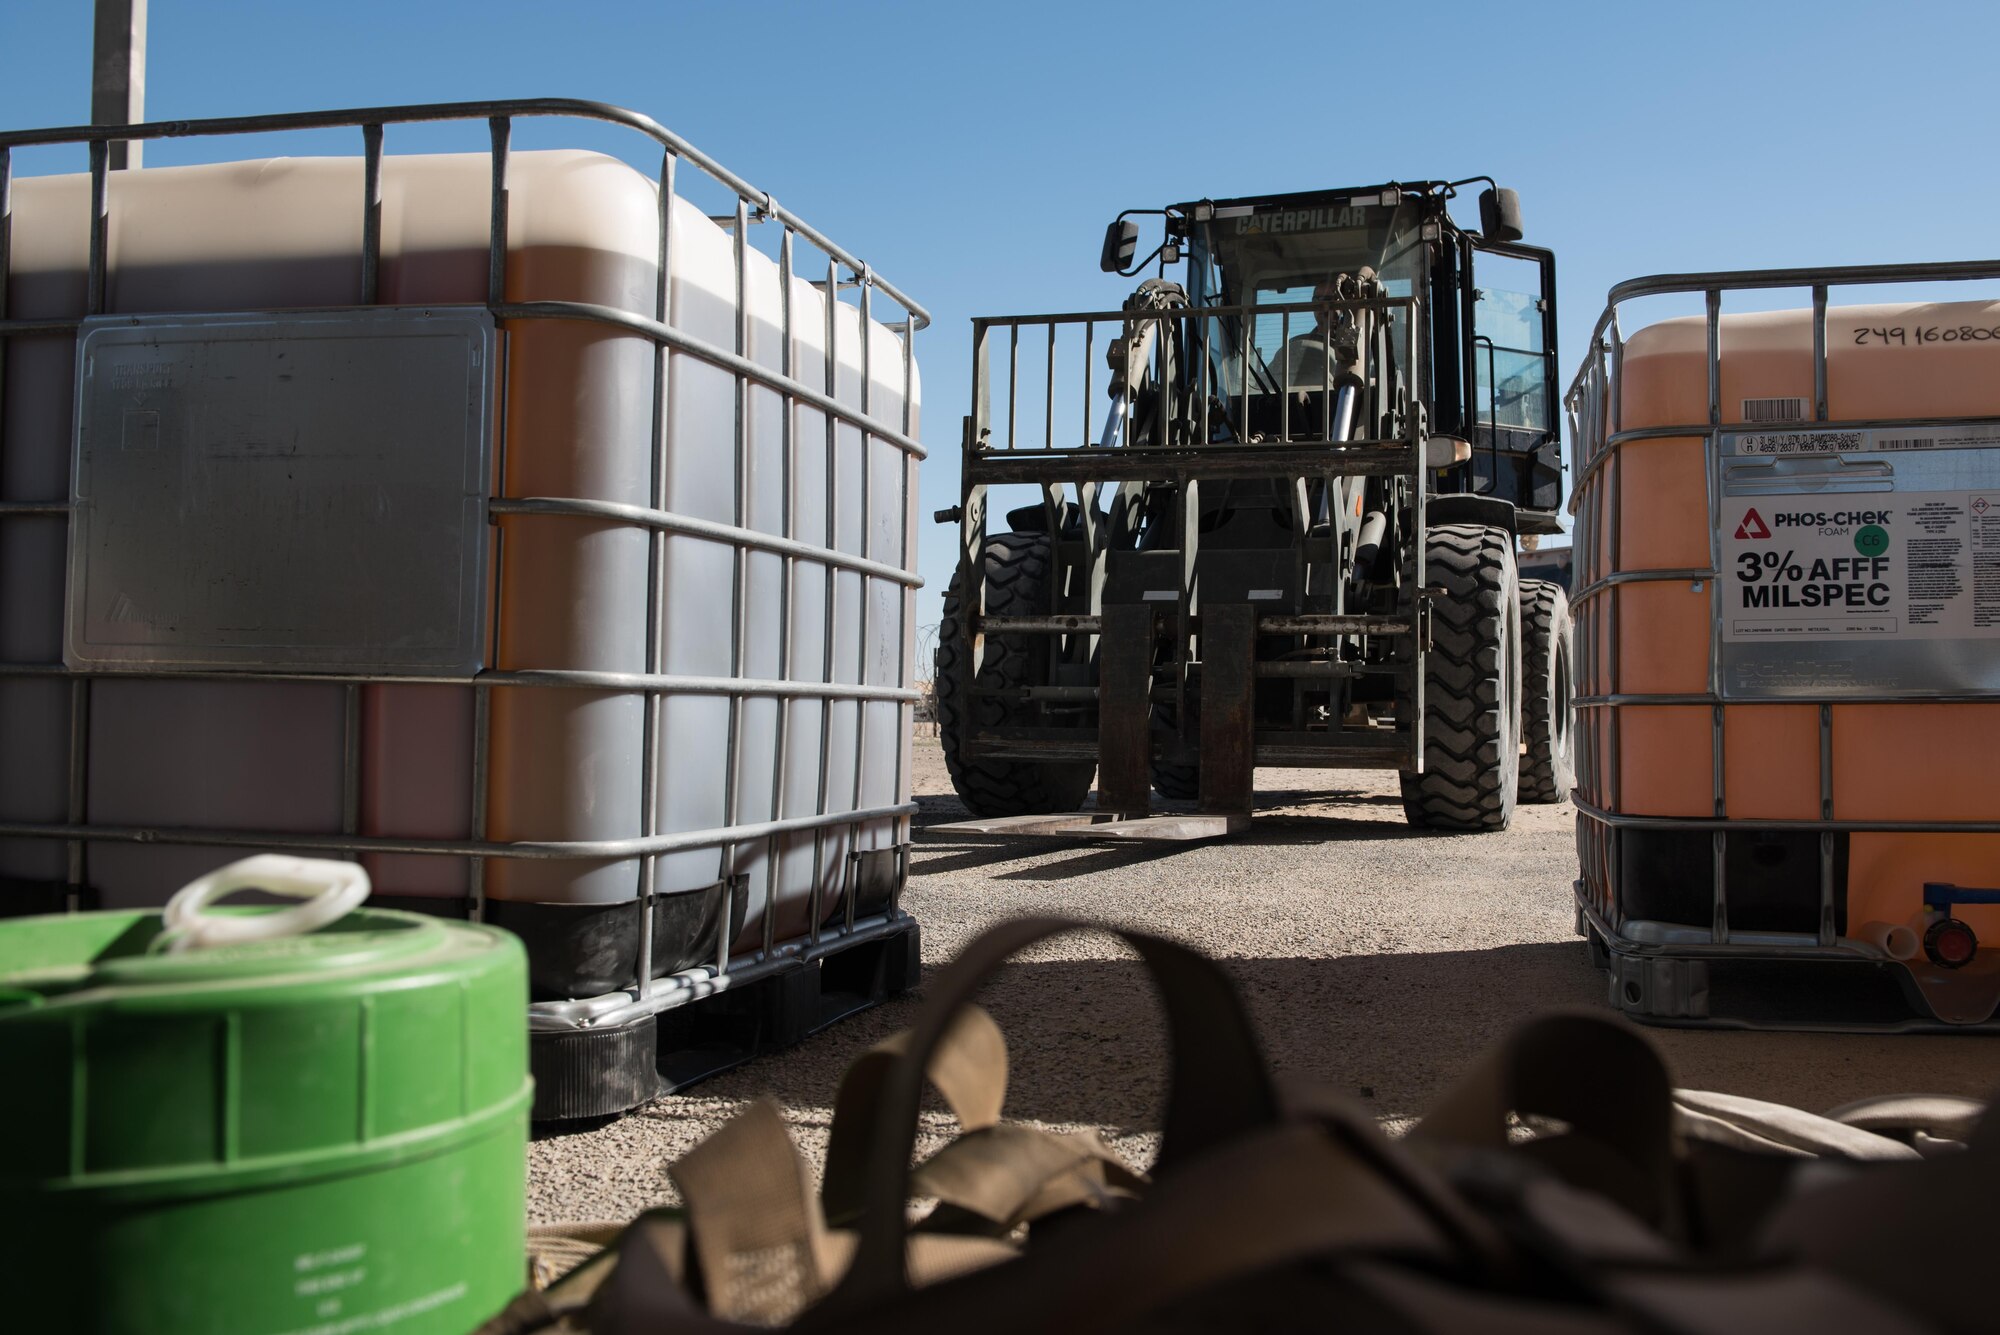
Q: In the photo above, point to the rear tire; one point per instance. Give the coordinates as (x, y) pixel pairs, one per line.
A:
(1178, 783)
(1017, 580)
(1472, 684)
(1548, 683)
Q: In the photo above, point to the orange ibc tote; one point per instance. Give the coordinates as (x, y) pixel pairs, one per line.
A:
(1788, 629)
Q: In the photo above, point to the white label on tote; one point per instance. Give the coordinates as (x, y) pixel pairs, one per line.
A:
(1904, 565)
(1861, 440)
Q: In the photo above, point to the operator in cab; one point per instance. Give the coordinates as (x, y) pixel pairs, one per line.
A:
(1314, 359)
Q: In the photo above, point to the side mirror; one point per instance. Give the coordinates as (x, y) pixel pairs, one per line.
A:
(1121, 243)
(1500, 214)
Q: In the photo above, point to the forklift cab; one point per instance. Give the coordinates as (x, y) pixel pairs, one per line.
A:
(1487, 345)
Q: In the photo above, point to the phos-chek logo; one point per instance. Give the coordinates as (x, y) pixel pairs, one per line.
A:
(1837, 519)
(1754, 527)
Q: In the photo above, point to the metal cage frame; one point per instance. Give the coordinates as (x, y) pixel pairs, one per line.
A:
(843, 270)
(1597, 434)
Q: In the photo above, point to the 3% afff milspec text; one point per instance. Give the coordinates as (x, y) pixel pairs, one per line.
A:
(1771, 579)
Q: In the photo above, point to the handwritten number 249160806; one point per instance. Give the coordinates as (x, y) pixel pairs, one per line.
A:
(1904, 336)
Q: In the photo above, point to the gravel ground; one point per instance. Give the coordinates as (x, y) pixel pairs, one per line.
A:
(1374, 958)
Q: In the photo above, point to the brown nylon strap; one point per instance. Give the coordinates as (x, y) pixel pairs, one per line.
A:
(1792, 1301)
(1279, 1195)
(969, 1068)
(1772, 1128)
(1986, 1131)
(645, 1291)
(1000, 1172)
(1219, 1086)
(1945, 1116)
(1442, 1309)
(936, 1257)
(1692, 1302)
(1596, 1074)
(754, 1225)
(1471, 1234)
(1095, 1184)
(1917, 1234)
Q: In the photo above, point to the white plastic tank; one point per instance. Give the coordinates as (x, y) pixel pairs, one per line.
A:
(573, 418)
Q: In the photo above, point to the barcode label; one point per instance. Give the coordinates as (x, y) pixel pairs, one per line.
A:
(1774, 410)
(1907, 443)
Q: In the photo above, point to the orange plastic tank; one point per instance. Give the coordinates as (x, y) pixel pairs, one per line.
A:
(1788, 615)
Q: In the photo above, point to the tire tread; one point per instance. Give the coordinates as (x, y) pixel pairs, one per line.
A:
(1468, 783)
(1546, 775)
(1017, 574)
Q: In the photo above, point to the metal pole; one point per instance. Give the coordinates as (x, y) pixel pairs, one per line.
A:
(865, 322)
(656, 575)
(788, 573)
(738, 598)
(118, 74)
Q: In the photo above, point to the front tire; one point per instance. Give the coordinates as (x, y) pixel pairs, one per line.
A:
(1472, 684)
(1016, 575)
(1548, 709)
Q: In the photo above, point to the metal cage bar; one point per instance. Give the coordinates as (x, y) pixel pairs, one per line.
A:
(656, 574)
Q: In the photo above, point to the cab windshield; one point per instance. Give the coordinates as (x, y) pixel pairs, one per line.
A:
(1278, 256)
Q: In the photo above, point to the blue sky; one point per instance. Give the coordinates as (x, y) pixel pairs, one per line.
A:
(974, 153)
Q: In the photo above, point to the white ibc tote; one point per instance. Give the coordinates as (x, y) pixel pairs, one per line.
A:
(397, 506)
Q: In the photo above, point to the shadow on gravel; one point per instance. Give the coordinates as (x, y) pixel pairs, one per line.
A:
(1390, 1031)
(1086, 1043)
(939, 853)
(1393, 1031)
(1093, 857)
(1085, 1038)
(1301, 797)
(978, 851)
(1294, 827)
(580, 1126)
(941, 809)
(1056, 859)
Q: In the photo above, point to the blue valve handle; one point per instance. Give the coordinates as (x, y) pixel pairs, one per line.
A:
(1938, 895)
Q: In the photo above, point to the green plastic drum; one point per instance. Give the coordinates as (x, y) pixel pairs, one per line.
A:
(321, 1133)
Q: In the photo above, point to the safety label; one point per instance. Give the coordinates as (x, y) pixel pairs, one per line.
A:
(1919, 565)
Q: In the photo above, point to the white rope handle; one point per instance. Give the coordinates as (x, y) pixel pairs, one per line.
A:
(331, 891)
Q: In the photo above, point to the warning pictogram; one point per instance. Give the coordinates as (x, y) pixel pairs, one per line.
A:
(1753, 526)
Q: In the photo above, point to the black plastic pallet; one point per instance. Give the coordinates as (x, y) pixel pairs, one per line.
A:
(1797, 995)
(604, 1071)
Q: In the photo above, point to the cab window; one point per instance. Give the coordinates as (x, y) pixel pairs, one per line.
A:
(1510, 363)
